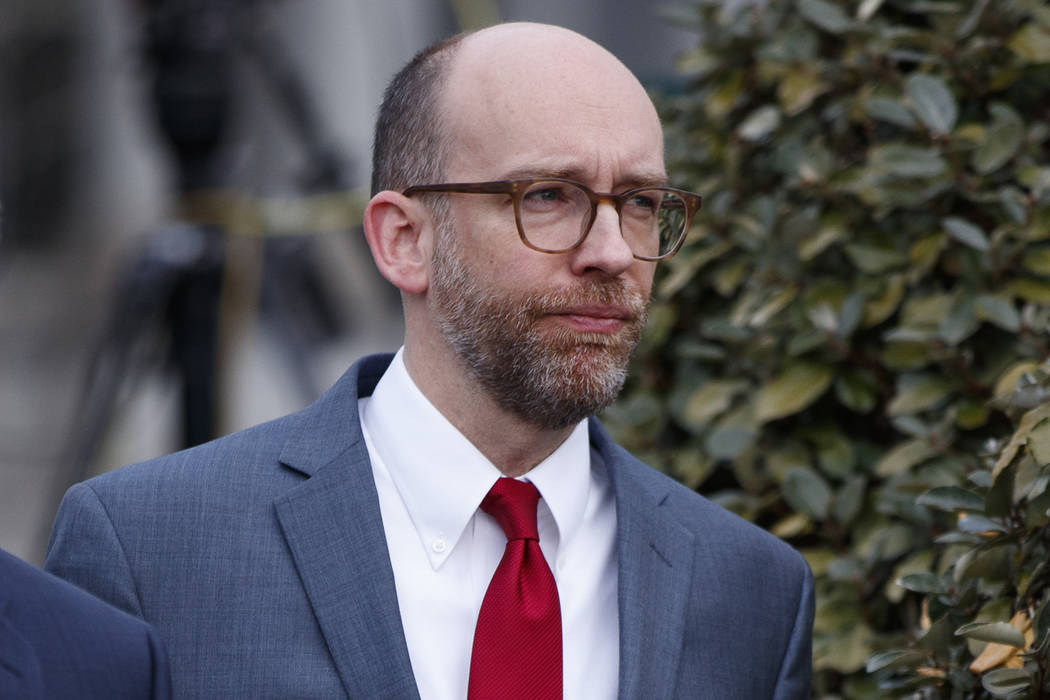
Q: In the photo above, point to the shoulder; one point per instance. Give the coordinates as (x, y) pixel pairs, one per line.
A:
(53, 608)
(250, 458)
(715, 531)
(242, 452)
(78, 643)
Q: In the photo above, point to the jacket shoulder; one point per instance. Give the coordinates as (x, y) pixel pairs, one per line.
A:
(80, 644)
(711, 525)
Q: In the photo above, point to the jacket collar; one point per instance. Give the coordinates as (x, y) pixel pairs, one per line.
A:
(655, 559)
(334, 530)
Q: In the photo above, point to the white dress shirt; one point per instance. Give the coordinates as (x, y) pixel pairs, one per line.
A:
(444, 550)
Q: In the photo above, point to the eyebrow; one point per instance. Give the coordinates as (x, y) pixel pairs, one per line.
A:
(645, 179)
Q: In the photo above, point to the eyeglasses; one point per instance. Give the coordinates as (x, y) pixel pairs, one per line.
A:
(554, 215)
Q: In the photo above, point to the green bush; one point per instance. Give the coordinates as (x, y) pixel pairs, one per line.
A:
(834, 352)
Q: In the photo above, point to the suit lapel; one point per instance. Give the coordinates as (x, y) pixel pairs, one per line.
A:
(334, 530)
(655, 572)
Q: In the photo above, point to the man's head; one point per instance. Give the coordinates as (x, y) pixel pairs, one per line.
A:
(546, 336)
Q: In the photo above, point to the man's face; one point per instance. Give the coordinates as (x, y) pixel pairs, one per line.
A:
(546, 335)
(551, 375)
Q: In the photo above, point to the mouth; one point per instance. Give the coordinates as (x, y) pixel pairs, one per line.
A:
(595, 318)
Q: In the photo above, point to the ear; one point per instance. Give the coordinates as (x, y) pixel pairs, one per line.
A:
(399, 233)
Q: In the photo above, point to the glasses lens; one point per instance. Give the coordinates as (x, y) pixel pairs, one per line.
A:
(553, 215)
(652, 222)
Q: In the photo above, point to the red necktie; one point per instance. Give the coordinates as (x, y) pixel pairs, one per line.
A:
(517, 643)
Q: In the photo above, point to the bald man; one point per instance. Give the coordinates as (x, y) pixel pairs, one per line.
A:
(451, 521)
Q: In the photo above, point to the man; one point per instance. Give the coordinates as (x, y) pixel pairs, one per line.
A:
(368, 546)
(56, 641)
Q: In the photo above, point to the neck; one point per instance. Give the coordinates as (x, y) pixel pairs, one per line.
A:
(511, 443)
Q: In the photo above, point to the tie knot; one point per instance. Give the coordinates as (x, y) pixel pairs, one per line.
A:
(513, 504)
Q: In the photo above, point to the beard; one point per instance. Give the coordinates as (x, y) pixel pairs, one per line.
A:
(553, 376)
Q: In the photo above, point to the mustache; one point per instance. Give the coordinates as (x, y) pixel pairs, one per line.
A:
(612, 292)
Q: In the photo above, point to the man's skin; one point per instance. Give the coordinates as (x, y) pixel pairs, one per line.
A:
(522, 100)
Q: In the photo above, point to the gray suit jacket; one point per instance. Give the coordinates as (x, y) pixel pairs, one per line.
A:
(261, 559)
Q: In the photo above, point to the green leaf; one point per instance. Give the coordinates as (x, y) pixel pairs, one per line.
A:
(993, 564)
(933, 102)
(1032, 43)
(918, 392)
(1039, 443)
(1005, 682)
(835, 451)
(894, 659)
(830, 231)
(849, 651)
(923, 582)
(777, 301)
(857, 391)
(915, 563)
(710, 400)
(798, 88)
(951, 498)
(908, 161)
(1036, 179)
(1034, 291)
(999, 311)
(799, 385)
(1002, 139)
(825, 15)
(691, 466)
(684, 267)
(728, 442)
(966, 233)
(971, 414)
(978, 524)
(905, 456)
(874, 259)
(998, 632)
(999, 501)
(851, 313)
(1035, 417)
(760, 123)
(1037, 261)
(890, 111)
(960, 324)
(807, 492)
(848, 501)
(868, 8)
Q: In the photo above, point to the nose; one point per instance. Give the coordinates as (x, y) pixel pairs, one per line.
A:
(604, 249)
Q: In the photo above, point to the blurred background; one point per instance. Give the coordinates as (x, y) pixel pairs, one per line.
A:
(180, 191)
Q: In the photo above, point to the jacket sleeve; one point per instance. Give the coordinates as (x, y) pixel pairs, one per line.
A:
(85, 550)
(796, 668)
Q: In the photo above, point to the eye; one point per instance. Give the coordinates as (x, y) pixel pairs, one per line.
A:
(546, 192)
(643, 200)
(553, 199)
(642, 204)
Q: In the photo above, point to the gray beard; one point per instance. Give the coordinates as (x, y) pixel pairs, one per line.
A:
(551, 379)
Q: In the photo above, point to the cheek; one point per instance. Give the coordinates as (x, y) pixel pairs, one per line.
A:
(641, 276)
(488, 236)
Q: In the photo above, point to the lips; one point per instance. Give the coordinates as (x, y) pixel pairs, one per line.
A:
(595, 318)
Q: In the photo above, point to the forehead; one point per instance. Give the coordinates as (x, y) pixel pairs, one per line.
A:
(545, 100)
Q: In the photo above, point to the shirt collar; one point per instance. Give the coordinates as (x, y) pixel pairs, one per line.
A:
(442, 478)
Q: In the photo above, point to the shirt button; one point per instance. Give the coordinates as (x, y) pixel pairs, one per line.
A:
(439, 545)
